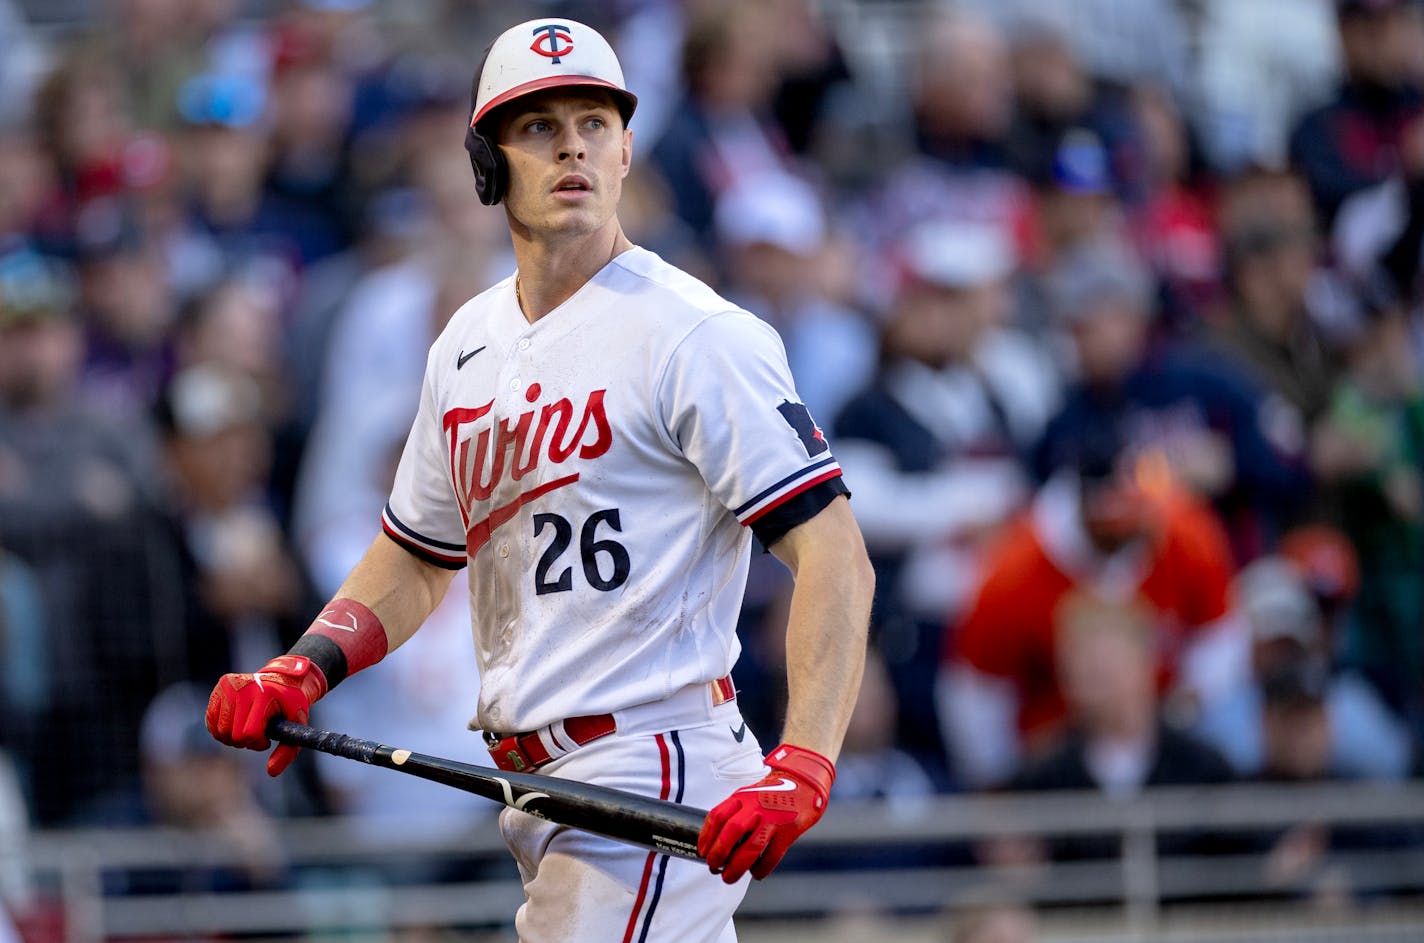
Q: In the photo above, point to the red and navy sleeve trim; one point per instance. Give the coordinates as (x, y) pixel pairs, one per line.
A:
(446, 555)
(797, 509)
(787, 488)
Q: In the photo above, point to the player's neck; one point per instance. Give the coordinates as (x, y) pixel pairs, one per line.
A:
(551, 270)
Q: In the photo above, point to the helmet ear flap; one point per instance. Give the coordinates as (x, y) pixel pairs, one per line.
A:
(491, 170)
(486, 160)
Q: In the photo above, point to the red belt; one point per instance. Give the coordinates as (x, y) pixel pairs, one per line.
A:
(522, 752)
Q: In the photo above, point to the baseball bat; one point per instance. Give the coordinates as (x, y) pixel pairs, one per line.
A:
(666, 827)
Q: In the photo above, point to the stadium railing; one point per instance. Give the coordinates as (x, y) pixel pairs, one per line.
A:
(891, 857)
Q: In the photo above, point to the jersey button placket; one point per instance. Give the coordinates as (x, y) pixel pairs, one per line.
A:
(507, 409)
(506, 554)
(524, 363)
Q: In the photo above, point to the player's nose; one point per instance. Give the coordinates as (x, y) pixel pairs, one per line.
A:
(571, 145)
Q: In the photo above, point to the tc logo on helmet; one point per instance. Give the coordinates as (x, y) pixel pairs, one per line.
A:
(552, 41)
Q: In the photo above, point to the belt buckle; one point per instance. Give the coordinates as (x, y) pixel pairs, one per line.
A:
(507, 748)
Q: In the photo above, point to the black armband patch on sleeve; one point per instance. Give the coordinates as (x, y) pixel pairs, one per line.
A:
(798, 509)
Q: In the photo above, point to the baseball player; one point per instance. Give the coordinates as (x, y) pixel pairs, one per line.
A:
(598, 438)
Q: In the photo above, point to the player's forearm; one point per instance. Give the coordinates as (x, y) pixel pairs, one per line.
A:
(401, 589)
(384, 600)
(826, 631)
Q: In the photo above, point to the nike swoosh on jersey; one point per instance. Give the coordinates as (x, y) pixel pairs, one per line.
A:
(783, 785)
(462, 357)
(740, 733)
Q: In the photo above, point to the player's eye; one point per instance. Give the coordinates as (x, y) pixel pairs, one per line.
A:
(596, 123)
(537, 126)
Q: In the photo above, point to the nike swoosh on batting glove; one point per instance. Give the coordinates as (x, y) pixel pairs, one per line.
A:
(751, 829)
(242, 704)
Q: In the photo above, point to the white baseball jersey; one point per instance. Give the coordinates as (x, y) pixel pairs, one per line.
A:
(596, 470)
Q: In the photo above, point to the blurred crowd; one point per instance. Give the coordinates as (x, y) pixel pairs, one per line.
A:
(1111, 310)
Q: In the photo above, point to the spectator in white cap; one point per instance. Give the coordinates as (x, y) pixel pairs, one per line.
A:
(1290, 641)
(963, 270)
(935, 442)
(773, 234)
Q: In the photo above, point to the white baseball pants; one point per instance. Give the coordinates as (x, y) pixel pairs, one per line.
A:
(581, 888)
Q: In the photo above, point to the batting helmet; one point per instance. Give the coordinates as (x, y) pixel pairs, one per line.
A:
(528, 58)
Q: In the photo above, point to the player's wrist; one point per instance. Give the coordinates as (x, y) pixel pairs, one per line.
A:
(343, 639)
(804, 765)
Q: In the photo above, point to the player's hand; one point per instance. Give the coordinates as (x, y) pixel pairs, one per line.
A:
(242, 704)
(752, 828)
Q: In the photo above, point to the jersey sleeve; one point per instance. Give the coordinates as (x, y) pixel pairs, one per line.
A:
(729, 404)
(422, 514)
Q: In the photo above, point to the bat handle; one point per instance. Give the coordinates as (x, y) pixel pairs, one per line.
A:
(324, 741)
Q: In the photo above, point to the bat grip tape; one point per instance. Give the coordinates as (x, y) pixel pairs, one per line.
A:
(323, 741)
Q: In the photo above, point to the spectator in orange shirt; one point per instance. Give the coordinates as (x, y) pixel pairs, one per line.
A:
(1111, 524)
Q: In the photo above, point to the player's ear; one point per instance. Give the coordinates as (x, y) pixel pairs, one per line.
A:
(627, 151)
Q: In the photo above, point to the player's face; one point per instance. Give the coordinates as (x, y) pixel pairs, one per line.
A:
(568, 153)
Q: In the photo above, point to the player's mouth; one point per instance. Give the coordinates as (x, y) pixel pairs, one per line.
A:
(572, 187)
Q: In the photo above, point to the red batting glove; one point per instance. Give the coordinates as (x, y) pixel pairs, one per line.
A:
(752, 828)
(242, 704)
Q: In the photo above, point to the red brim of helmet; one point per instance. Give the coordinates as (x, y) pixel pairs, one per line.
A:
(627, 100)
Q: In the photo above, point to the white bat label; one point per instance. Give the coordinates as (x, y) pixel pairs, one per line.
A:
(523, 800)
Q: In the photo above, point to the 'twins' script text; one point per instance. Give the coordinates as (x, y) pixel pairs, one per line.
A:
(480, 458)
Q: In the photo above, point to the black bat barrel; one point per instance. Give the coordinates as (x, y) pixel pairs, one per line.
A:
(667, 827)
